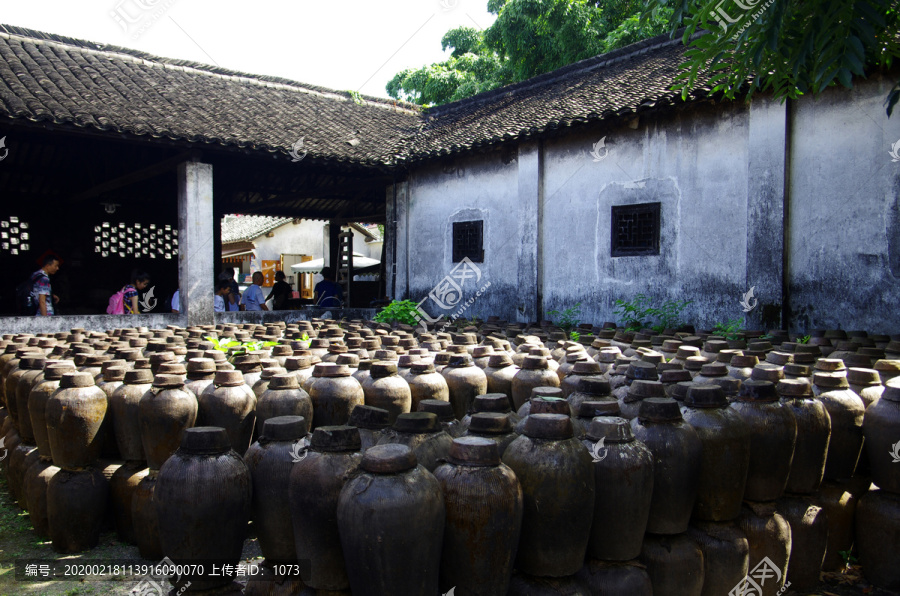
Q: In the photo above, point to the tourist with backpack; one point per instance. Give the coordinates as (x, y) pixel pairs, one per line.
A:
(125, 301)
(41, 299)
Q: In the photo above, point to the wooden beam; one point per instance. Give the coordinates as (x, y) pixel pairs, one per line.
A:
(134, 177)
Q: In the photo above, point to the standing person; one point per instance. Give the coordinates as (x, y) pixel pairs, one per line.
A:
(223, 290)
(328, 292)
(41, 294)
(281, 292)
(139, 280)
(233, 301)
(176, 301)
(253, 298)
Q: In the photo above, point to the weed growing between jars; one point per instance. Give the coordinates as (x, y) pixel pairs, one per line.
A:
(18, 541)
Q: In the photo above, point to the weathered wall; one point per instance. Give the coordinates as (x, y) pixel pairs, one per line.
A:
(743, 189)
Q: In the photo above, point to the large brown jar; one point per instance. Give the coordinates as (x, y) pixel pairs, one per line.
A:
(270, 461)
(813, 436)
(555, 534)
(74, 414)
(623, 486)
(846, 410)
(489, 402)
(631, 396)
(500, 372)
(334, 394)
(726, 555)
(315, 486)
(203, 502)
(588, 369)
(769, 536)
(200, 374)
(881, 428)
(122, 486)
(37, 404)
(165, 411)
(230, 404)
(534, 373)
(124, 407)
(809, 539)
(773, 434)
(421, 432)
(397, 498)
(385, 389)
(33, 370)
(283, 397)
(37, 479)
(877, 536)
(465, 381)
(677, 450)
(76, 507)
(614, 577)
(426, 383)
(674, 564)
(725, 458)
(371, 422)
(589, 388)
(483, 504)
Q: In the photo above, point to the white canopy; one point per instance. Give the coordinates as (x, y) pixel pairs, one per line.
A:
(316, 265)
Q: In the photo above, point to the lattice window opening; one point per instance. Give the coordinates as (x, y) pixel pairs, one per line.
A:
(468, 241)
(635, 230)
(15, 236)
(135, 240)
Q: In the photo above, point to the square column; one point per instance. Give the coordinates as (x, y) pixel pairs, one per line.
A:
(196, 269)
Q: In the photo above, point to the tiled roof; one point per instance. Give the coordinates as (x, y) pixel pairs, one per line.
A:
(65, 81)
(619, 83)
(245, 228)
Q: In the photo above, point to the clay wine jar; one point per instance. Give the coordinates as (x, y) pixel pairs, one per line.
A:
(371, 422)
(494, 426)
(554, 532)
(613, 577)
(283, 397)
(589, 369)
(725, 458)
(314, 489)
(164, 412)
(391, 521)
(623, 487)
(121, 490)
(200, 374)
(768, 535)
(632, 395)
(809, 539)
(726, 555)
(426, 383)
(465, 381)
(674, 564)
(535, 372)
(37, 404)
(881, 428)
(877, 535)
(203, 503)
(813, 436)
(500, 372)
(677, 451)
(445, 415)
(76, 507)
(839, 504)
(773, 434)
(37, 478)
(846, 410)
(484, 507)
(421, 432)
(125, 407)
(385, 389)
(74, 414)
(270, 461)
(589, 388)
(33, 367)
(489, 402)
(334, 394)
(230, 404)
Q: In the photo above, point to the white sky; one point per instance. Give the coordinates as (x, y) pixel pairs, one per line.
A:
(345, 45)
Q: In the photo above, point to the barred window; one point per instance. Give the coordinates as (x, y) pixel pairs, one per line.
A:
(468, 241)
(635, 230)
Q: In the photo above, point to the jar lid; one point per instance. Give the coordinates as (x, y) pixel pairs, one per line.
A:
(285, 428)
(892, 390)
(386, 355)
(742, 361)
(483, 351)
(613, 429)
(578, 355)
(32, 362)
(829, 364)
(695, 363)
(888, 366)
(205, 366)
(593, 386)
(417, 422)
(867, 377)
(381, 370)
(588, 367)
(370, 418)
(831, 380)
(270, 372)
(551, 392)
(542, 405)
(534, 363)
(55, 372)
(490, 423)
(714, 369)
(297, 362)
(554, 427)
(111, 374)
(74, 379)
(166, 381)
(422, 368)
(640, 370)
(705, 396)
(335, 438)
(138, 376)
(491, 402)
(205, 440)
(675, 376)
(388, 459)
(328, 369)
(793, 388)
(474, 451)
(282, 350)
(659, 409)
(171, 368)
(767, 372)
(499, 360)
(754, 390)
(442, 409)
(796, 370)
(591, 408)
(284, 382)
(645, 389)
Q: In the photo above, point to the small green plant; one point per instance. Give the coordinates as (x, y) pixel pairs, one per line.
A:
(235, 348)
(566, 319)
(731, 330)
(847, 556)
(574, 335)
(803, 340)
(356, 97)
(399, 311)
(640, 311)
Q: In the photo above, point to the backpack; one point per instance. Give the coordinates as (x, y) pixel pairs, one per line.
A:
(25, 302)
(116, 303)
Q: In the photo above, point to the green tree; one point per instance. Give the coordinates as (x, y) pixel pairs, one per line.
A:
(788, 47)
(528, 38)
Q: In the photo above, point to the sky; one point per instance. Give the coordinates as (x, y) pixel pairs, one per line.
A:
(354, 45)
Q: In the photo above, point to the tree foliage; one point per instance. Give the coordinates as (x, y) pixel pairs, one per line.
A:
(528, 38)
(788, 47)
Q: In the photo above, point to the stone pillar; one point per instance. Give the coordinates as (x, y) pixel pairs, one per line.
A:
(395, 241)
(528, 303)
(195, 242)
(766, 208)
